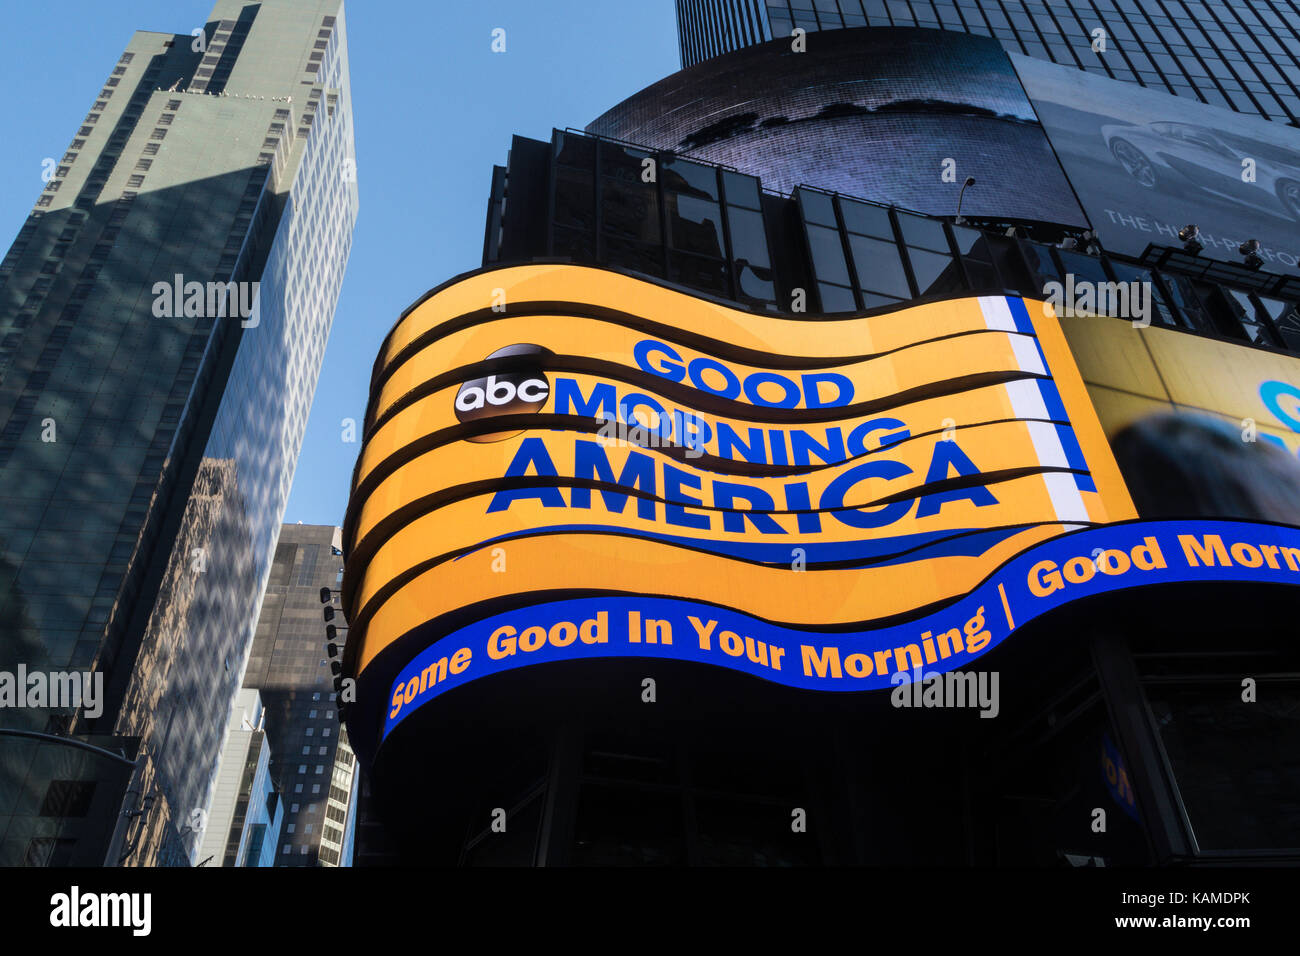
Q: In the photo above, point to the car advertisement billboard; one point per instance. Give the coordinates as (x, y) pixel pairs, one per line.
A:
(1145, 163)
(564, 462)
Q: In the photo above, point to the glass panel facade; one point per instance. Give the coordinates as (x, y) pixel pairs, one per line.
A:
(1243, 55)
(663, 216)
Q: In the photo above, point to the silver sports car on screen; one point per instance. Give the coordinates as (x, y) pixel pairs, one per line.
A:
(1172, 156)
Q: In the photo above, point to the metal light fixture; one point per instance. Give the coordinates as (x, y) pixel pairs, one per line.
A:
(970, 181)
(1190, 236)
(1250, 253)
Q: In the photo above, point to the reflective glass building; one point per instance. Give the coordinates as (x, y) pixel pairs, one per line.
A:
(150, 432)
(1244, 56)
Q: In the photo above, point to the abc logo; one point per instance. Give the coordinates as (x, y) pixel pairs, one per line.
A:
(504, 393)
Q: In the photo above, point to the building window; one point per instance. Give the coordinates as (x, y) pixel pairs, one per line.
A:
(68, 798)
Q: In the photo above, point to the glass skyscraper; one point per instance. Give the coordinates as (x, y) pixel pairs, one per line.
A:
(149, 432)
(1243, 55)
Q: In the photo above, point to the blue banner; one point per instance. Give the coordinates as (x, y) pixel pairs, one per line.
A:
(1072, 566)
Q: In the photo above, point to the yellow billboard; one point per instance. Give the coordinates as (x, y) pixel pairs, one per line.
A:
(1132, 372)
(542, 430)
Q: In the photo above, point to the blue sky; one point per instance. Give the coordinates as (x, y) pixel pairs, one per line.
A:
(435, 109)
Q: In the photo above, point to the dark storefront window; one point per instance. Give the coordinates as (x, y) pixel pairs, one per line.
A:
(1063, 774)
(620, 826)
(644, 798)
(651, 802)
(1236, 763)
(516, 845)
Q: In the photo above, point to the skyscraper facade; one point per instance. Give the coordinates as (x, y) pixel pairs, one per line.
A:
(242, 825)
(1243, 56)
(163, 314)
(312, 762)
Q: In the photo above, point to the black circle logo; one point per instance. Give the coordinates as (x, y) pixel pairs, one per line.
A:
(504, 393)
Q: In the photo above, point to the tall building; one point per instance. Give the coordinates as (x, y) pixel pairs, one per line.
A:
(242, 825)
(312, 763)
(860, 454)
(1242, 56)
(163, 315)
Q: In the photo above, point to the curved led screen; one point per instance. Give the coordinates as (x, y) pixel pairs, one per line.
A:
(565, 463)
(895, 115)
(540, 432)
